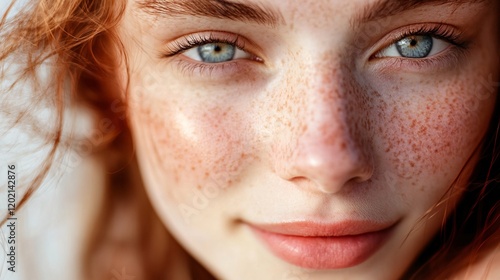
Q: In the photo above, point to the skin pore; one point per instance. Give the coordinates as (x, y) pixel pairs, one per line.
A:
(315, 119)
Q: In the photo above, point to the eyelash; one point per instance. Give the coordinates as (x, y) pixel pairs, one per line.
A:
(439, 31)
(195, 40)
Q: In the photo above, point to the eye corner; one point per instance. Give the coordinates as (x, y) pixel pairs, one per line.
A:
(377, 55)
(380, 53)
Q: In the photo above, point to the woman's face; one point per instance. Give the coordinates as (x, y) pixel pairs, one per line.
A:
(306, 139)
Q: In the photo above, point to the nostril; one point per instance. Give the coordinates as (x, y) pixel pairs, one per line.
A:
(363, 178)
(365, 170)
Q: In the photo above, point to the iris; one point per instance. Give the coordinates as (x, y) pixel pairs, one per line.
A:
(216, 52)
(417, 46)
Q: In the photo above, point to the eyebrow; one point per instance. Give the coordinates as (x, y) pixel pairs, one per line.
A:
(387, 8)
(221, 9)
(249, 12)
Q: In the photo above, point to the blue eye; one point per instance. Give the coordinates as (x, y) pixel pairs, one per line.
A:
(415, 46)
(216, 53)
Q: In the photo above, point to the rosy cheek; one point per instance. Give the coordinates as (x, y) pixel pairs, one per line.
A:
(431, 132)
(222, 146)
(191, 143)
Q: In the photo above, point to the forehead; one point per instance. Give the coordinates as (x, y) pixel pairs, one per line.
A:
(277, 11)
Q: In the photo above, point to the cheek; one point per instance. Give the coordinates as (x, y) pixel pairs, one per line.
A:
(189, 145)
(427, 134)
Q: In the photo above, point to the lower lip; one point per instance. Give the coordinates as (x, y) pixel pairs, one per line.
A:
(324, 252)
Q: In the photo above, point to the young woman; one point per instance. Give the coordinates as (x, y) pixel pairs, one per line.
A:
(274, 139)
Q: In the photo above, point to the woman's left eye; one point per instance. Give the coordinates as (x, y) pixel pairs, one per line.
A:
(216, 53)
(415, 46)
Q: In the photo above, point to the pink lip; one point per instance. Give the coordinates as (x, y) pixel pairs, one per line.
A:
(324, 246)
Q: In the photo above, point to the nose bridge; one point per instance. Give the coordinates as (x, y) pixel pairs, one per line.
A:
(326, 103)
(331, 115)
(327, 149)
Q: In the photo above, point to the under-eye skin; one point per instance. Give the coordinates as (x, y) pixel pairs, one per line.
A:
(423, 47)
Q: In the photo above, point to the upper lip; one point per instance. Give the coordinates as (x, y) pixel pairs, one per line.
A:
(315, 229)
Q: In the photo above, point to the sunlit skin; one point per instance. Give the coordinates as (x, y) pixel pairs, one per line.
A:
(316, 121)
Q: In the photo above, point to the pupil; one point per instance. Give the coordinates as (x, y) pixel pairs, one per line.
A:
(413, 43)
(217, 48)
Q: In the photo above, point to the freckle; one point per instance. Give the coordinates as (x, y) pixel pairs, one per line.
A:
(304, 128)
(343, 146)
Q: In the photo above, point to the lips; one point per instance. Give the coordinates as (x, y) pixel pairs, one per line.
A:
(324, 246)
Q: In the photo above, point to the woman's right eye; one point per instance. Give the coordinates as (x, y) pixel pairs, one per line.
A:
(213, 55)
(216, 52)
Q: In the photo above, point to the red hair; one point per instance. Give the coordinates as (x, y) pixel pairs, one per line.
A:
(78, 39)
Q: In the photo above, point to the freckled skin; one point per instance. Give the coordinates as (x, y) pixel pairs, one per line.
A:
(315, 132)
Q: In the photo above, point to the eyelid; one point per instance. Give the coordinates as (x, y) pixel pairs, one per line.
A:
(439, 46)
(460, 46)
(445, 32)
(174, 54)
(187, 42)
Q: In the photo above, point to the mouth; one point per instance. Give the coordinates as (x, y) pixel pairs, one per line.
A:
(324, 246)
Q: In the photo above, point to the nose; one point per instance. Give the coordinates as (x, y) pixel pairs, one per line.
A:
(328, 148)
